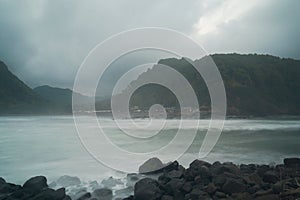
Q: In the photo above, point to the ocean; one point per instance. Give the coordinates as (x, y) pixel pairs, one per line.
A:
(50, 145)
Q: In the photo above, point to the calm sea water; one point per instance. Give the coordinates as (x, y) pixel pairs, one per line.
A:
(50, 146)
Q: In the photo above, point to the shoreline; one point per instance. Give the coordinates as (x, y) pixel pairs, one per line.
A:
(201, 180)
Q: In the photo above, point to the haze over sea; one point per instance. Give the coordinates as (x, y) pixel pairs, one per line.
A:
(50, 146)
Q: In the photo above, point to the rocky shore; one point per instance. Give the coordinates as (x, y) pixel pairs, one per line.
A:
(201, 180)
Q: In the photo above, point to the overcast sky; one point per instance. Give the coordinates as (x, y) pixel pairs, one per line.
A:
(45, 41)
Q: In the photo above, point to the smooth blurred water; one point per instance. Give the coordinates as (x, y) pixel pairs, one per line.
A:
(50, 146)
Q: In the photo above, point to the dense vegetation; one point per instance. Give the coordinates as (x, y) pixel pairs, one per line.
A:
(256, 85)
(16, 96)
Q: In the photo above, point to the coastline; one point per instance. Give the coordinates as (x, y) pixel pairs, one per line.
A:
(201, 180)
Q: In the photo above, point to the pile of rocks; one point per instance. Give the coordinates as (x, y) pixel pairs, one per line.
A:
(203, 180)
(35, 188)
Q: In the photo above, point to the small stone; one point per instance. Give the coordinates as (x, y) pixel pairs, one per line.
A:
(103, 194)
(67, 181)
(233, 186)
(187, 187)
(268, 197)
(167, 197)
(211, 188)
(220, 194)
(147, 189)
(270, 177)
(85, 196)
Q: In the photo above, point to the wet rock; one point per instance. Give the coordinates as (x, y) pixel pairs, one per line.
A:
(226, 167)
(171, 166)
(78, 193)
(50, 194)
(263, 193)
(129, 198)
(198, 168)
(268, 197)
(167, 197)
(67, 181)
(84, 196)
(6, 188)
(111, 182)
(132, 179)
(2, 181)
(220, 195)
(173, 186)
(103, 194)
(198, 163)
(262, 169)
(187, 187)
(60, 193)
(219, 180)
(36, 184)
(242, 196)
(151, 166)
(293, 192)
(291, 162)
(175, 174)
(233, 186)
(247, 169)
(277, 187)
(197, 194)
(124, 192)
(211, 188)
(270, 177)
(147, 189)
(255, 178)
(253, 189)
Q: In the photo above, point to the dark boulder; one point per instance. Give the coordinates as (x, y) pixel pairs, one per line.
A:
(198, 163)
(197, 194)
(187, 187)
(2, 181)
(67, 181)
(147, 189)
(152, 165)
(167, 197)
(233, 186)
(242, 196)
(175, 173)
(174, 186)
(292, 162)
(226, 167)
(85, 196)
(103, 194)
(36, 184)
(270, 177)
(277, 187)
(268, 197)
(211, 188)
(50, 194)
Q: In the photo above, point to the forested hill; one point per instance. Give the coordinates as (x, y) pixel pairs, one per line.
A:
(15, 95)
(256, 85)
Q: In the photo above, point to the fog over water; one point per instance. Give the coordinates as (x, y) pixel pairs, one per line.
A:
(50, 146)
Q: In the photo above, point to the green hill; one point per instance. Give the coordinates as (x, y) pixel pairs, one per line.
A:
(256, 85)
(16, 96)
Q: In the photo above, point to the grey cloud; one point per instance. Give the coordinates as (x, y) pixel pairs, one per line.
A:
(45, 41)
(272, 28)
